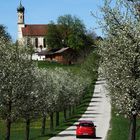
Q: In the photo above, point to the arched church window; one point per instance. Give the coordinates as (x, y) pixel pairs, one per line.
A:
(28, 41)
(36, 42)
(41, 47)
(44, 43)
(20, 17)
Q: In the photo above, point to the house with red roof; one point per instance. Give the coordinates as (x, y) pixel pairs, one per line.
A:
(61, 55)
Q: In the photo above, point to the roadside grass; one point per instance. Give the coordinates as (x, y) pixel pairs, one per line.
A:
(47, 64)
(18, 128)
(120, 128)
(75, 68)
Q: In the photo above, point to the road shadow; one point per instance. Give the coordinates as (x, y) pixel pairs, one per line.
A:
(90, 138)
(68, 129)
(92, 117)
(94, 97)
(65, 135)
(93, 101)
(92, 113)
(98, 138)
(83, 110)
(91, 109)
(93, 105)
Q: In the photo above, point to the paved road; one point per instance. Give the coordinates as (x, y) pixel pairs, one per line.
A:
(99, 111)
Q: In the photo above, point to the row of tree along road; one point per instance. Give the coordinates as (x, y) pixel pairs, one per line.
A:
(120, 53)
(28, 93)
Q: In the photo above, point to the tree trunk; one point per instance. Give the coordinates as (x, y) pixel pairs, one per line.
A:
(8, 127)
(57, 118)
(51, 121)
(43, 125)
(132, 133)
(65, 115)
(8, 121)
(27, 131)
(69, 111)
(73, 110)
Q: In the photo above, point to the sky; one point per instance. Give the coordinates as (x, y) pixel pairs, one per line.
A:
(44, 11)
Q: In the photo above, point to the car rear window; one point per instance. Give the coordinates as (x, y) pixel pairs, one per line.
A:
(86, 124)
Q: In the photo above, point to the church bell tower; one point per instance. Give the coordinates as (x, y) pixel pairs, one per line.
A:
(20, 11)
(20, 22)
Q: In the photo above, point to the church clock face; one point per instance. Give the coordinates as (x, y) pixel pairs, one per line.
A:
(20, 18)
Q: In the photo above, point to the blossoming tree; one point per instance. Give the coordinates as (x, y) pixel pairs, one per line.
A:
(120, 53)
(15, 80)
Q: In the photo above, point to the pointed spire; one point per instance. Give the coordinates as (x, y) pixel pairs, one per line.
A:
(20, 7)
(20, 3)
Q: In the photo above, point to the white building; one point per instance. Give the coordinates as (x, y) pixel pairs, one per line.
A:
(31, 33)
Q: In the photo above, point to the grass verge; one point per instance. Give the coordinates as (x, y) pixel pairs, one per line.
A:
(120, 128)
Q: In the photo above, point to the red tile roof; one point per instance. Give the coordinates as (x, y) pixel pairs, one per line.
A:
(35, 30)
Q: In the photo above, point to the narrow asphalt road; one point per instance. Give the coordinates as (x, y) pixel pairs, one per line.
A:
(98, 111)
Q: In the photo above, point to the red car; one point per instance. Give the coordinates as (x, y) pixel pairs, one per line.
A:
(86, 129)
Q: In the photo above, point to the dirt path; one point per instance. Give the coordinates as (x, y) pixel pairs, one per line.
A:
(99, 111)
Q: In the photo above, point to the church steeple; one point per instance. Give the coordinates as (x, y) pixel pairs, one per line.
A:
(20, 22)
(20, 8)
(20, 11)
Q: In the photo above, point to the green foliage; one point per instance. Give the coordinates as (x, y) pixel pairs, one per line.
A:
(4, 35)
(68, 32)
(72, 30)
(119, 128)
(90, 65)
(54, 39)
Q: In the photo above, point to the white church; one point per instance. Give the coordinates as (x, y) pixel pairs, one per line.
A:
(33, 33)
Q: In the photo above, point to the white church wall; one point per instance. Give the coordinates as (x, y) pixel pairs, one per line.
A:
(40, 41)
(20, 35)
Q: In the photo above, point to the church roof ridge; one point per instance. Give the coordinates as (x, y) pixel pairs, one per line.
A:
(35, 30)
(36, 24)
